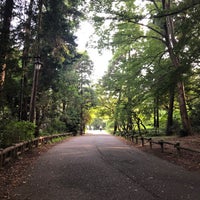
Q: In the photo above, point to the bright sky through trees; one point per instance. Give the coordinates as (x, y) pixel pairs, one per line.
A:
(100, 60)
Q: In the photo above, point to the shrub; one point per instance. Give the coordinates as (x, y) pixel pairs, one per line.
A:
(56, 126)
(15, 132)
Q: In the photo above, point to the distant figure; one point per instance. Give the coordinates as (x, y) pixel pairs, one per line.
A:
(100, 128)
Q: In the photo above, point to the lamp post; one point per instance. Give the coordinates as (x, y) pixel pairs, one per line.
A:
(37, 67)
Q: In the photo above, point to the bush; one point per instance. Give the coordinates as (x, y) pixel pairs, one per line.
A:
(56, 126)
(15, 132)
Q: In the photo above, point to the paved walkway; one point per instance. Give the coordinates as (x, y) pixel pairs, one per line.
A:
(102, 167)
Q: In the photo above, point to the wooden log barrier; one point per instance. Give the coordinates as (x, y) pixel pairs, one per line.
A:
(12, 152)
(161, 143)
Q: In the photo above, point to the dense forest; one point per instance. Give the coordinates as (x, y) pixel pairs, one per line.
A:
(152, 82)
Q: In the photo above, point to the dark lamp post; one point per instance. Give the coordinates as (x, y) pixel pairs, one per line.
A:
(37, 67)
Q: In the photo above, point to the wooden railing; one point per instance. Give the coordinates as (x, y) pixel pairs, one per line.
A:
(12, 152)
(161, 143)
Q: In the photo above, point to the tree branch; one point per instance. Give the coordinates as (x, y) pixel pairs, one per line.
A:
(155, 4)
(175, 12)
(160, 54)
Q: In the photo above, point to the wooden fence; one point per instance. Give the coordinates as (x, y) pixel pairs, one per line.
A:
(12, 152)
(161, 143)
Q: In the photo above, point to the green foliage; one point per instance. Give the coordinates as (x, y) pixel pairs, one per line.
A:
(195, 117)
(143, 68)
(63, 81)
(14, 132)
(47, 29)
(55, 126)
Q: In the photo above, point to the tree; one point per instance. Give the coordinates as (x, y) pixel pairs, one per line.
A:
(162, 25)
(27, 40)
(84, 68)
(5, 38)
(46, 29)
(56, 45)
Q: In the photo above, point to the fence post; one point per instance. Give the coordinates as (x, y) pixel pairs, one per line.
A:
(23, 147)
(36, 142)
(142, 139)
(132, 138)
(177, 146)
(150, 143)
(136, 139)
(14, 151)
(1, 158)
(30, 144)
(161, 145)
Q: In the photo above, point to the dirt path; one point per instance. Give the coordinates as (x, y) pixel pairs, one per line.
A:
(102, 167)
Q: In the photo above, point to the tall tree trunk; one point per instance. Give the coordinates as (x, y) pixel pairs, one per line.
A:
(129, 114)
(183, 109)
(23, 113)
(129, 106)
(36, 71)
(171, 42)
(156, 114)
(170, 112)
(39, 28)
(115, 127)
(4, 40)
(116, 113)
